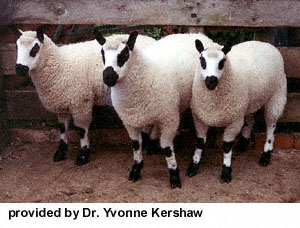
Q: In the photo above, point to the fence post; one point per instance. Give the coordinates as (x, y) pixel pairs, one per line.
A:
(4, 130)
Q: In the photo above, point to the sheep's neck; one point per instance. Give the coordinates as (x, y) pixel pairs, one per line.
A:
(135, 81)
(129, 93)
(45, 75)
(222, 105)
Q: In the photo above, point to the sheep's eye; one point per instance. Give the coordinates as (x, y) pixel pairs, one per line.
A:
(203, 62)
(103, 57)
(34, 50)
(221, 64)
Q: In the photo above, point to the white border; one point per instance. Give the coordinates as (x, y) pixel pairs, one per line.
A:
(241, 215)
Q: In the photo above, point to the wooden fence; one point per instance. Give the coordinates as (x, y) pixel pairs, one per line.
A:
(22, 104)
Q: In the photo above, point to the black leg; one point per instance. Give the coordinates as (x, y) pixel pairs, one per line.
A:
(226, 174)
(226, 170)
(175, 178)
(84, 154)
(194, 166)
(61, 151)
(135, 172)
(265, 158)
(242, 145)
(174, 171)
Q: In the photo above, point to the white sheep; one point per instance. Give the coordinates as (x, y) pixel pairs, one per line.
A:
(151, 87)
(229, 88)
(67, 82)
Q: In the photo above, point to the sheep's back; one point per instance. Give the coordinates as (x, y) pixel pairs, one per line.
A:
(175, 58)
(260, 69)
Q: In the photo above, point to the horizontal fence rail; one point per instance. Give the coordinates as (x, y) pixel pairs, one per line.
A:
(246, 13)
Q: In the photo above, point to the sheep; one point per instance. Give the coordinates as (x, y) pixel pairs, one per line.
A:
(151, 87)
(230, 85)
(67, 83)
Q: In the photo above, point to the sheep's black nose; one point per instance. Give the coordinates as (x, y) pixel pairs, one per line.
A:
(211, 82)
(110, 77)
(22, 70)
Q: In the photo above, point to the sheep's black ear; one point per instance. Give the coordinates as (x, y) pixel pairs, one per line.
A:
(101, 40)
(199, 45)
(40, 33)
(17, 32)
(227, 47)
(132, 39)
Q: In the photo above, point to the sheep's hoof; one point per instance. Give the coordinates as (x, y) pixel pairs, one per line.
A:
(226, 174)
(83, 156)
(193, 169)
(152, 146)
(61, 151)
(135, 172)
(265, 158)
(174, 178)
(242, 145)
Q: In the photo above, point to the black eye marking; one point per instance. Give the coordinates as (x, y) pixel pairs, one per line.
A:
(103, 57)
(203, 62)
(221, 64)
(34, 50)
(123, 56)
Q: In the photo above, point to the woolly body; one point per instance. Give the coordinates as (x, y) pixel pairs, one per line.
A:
(253, 73)
(158, 82)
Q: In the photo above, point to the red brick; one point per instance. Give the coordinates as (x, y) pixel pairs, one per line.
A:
(260, 139)
(284, 141)
(297, 141)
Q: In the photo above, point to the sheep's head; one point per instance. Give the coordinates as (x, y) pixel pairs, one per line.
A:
(115, 58)
(212, 61)
(29, 47)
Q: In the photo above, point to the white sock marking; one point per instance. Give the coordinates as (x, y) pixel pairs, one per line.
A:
(197, 156)
(227, 158)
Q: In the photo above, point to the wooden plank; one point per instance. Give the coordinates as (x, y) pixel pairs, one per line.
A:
(291, 56)
(249, 13)
(292, 111)
(25, 105)
(8, 58)
(4, 131)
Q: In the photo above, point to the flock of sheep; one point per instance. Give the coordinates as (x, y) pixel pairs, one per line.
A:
(150, 83)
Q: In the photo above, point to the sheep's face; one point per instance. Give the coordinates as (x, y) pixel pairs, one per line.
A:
(212, 61)
(115, 63)
(116, 59)
(29, 47)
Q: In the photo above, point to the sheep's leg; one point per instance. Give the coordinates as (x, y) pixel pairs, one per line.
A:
(63, 123)
(84, 154)
(273, 110)
(201, 130)
(245, 135)
(166, 142)
(268, 148)
(135, 135)
(231, 131)
(152, 146)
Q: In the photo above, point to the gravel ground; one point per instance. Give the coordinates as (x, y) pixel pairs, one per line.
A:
(28, 174)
